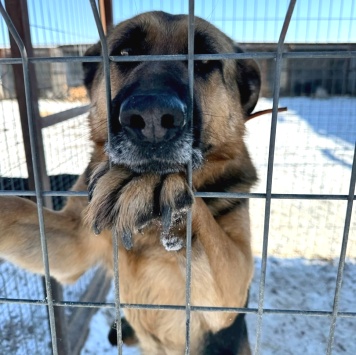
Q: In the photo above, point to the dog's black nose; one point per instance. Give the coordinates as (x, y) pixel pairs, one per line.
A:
(153, 117)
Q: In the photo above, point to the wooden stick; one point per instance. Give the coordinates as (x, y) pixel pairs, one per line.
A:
(263, 112)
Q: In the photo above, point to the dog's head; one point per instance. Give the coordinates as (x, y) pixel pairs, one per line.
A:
(152, 130)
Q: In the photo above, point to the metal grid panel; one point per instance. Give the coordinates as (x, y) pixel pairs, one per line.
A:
(268, 196)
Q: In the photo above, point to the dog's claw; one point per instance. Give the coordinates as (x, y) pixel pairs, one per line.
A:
(127, 240)
(168, 240)
(94, 180)
(91, 188)
(166, 220)
(172, 242)
(90, 193)
(96, 228)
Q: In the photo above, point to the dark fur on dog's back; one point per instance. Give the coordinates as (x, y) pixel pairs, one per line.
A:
(143, 196)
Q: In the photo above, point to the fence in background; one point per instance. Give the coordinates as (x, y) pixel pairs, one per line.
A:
(39, 184)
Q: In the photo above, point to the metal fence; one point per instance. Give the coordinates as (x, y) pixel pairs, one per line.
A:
(278, 56)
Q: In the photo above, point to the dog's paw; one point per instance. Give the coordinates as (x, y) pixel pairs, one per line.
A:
(126, 203)
(120, 201)
(175, 199)
(104, 187)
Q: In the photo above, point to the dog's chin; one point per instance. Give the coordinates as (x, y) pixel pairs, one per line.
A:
(165, 158)
(154, 166)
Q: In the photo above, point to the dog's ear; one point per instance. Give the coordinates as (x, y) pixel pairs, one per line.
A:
(249, 82)
(90, 68)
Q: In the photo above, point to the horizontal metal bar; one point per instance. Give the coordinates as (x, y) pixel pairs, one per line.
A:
(178, 308)
(149, 58)
(197, 194)
(146, 58)
(180, 57)
(274, 196)
(321, 54)
(246, 55)
(51, 120)
(44, 193)
(52, 60)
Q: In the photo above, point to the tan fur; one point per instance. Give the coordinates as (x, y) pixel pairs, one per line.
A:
(222, 263)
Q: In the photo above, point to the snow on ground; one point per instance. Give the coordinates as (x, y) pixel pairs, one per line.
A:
(314, 150)
(313, 155)
(66, 144)
(23, 328)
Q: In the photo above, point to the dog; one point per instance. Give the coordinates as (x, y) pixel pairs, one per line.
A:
(138, 187)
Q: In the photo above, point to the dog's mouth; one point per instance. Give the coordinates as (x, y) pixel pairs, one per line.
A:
(160, 158)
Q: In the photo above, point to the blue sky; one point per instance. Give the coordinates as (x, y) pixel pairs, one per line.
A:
(56, 22)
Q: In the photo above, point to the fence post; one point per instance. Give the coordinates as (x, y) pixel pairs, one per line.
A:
(105, 9)
(18, 12)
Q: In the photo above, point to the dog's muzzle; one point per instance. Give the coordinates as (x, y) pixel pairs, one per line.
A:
(154, 133)
(153, 118)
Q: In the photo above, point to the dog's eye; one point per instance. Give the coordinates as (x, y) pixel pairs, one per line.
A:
(125, 51)
(202, 67)
(122, 51)
(201, 62)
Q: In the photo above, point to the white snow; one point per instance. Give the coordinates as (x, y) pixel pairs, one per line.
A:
(313, 155)
(66, 144)
(23, 328)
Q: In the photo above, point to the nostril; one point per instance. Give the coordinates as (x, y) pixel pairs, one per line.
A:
(137, 122)
(167, 121)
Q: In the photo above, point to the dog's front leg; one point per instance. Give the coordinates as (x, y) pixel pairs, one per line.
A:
(221, 255)
(71, 248)
(226, 245)
(221, 272)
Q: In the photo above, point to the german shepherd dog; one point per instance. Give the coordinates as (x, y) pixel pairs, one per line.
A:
(143, 194)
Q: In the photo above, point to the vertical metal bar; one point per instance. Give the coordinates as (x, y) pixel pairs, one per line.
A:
(18, 12)
(115, 237)
(106, 64)
(272, 144)
(37, 178)
(341, 266)
(189, 176)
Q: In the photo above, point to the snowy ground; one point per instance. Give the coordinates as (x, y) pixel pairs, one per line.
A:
(314, 149)
(66, 144)
(313, 155)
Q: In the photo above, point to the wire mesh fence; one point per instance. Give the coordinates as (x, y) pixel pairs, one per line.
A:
(301, 208)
